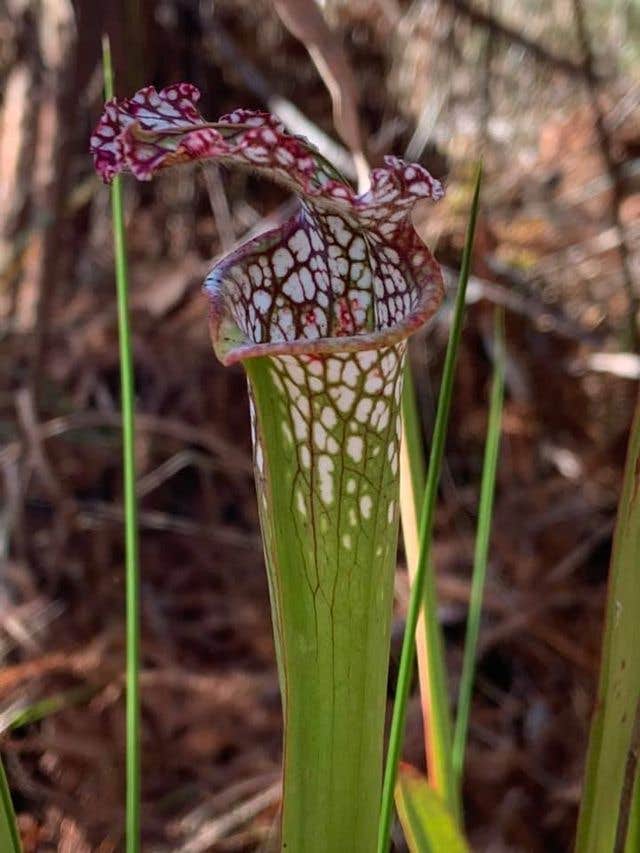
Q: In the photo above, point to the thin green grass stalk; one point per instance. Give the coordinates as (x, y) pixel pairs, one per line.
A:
(9, 835)
(483, 533)
(423, 590)
(130, 502)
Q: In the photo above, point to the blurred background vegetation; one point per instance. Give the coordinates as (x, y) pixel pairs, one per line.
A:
(548, 94)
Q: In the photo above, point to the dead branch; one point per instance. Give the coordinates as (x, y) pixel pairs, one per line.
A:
(614, 170)
(306, 22)
(538, 51)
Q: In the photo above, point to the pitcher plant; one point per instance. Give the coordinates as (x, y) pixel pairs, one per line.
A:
(318, 311)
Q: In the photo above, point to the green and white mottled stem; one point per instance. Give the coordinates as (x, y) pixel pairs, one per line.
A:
(326, 456)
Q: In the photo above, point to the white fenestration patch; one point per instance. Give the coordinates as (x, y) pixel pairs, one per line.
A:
(346, 542)
(357, 249)
(366, 504)
(367, 358)
(373, 384)
(293, 288)
(282, 262)
(252, 418)
(328, 417)
(305, 456)
(314, 367)
(262, 300)
(392, 456)
(319, 436)
(316, 240)
(334, 369)
(307, 283)
(339, 230)
(332, 445)
(299, 244)
(350, 374)
(302, 507)
(363, 410)
(380, 415)
(259, 457)
(355, 447)
(323, 299)
(303, 405)
(293, 369)
(344, 398)
(300, 427)
(285, 157)
(325, 473)
(256, 153)
(420, 188)
(256, 275)
(388, 363)
(286, 432)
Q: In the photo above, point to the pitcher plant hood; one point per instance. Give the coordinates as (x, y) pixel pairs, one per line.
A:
(347, 272)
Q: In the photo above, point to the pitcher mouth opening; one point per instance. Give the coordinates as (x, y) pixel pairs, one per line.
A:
(297, 291)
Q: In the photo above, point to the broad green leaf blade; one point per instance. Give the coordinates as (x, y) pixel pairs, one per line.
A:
(9, 836)
(427, 824)
(612, 756)
(423, 590)
(485, 512)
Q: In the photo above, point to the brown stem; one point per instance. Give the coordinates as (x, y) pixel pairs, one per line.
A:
(615, 175)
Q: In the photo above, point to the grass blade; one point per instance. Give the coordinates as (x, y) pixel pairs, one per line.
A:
(632, 844)
(608, 807)
(9, 835)
(412, 481)
(427, 825)
(130, 502)
(423, 589)
(50, 705)
(429, 643)
(485, 512)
